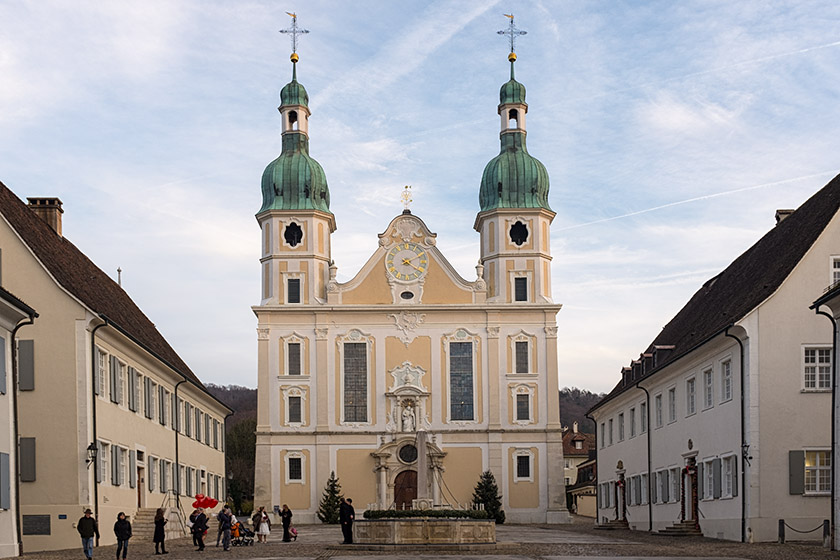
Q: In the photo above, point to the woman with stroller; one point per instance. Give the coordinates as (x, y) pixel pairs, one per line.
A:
(286, 518)
(262, 525)
(160, 532)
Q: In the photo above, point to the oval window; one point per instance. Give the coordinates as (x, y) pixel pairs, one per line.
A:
(407, 295)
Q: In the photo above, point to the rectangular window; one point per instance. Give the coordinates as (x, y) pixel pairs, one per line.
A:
(674, 478)
(817, 472)
(355, 382)
(123, 382)
(295, 468)
(101, 369)
(293, 348)
(461, 380)
(643, 417)
(728, 475)
(523, 407)
(708, 389)
(672, 404)
(817, 368)
(835, 270)
(523, 466)
(632, 422)
(621, 427)
(690, 397)
(294, 410)
(153, 467)
(657, 401)
(610, 432)
(520, 289)
(726, 381)
(603, 435)
(708, 480)
(293, 292)
(644, 489)
(521, 357)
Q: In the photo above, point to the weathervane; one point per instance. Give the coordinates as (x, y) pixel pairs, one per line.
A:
(511, 32)
(406, 199)
(294, 31)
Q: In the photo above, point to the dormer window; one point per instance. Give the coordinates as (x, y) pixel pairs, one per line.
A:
(513, 118)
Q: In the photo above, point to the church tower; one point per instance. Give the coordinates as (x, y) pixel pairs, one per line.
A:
(295, 216)
(515, 218)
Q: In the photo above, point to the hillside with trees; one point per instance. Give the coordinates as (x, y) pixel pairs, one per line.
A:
(240, 443)
(574, 403)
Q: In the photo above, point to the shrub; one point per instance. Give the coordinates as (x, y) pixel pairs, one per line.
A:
(487, 494)
(416, 513)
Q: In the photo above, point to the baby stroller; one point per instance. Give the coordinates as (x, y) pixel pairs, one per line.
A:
(241, 535)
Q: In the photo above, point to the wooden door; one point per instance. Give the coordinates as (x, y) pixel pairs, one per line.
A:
(405, 489)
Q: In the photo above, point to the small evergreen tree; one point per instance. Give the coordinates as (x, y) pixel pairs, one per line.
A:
(328, 509)
(486, 493)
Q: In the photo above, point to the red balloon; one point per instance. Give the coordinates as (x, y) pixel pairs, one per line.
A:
(196, 504)
(199, 497)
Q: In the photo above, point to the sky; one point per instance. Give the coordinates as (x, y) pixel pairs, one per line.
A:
(671, 131)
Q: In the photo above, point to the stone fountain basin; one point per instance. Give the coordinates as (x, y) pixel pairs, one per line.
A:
(424, 530)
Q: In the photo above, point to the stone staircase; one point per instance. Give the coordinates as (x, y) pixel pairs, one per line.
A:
(143, 525)
(682, 529)
(613, 524)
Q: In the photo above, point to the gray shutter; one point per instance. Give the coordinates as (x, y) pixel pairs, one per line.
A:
(666, 486)
(222, 435)
(99, 473)
(26, 365)
(654, 481)
(161, 405)
(115, 457)
(132, 468)
(716, 478)
(96, 388)
(5, 482)
(638, 489)
(735, 476)
(700, 478)
(796, 472)
(2, 365)
(27, 459)
(131, 401)
(174, 412)
(150, 474)
(197, 481)
(147, 391)
(113, 379)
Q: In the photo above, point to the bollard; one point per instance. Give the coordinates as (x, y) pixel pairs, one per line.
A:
(826, 534)
(781, 531)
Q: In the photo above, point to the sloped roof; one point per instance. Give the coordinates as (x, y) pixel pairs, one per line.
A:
(569, 437)
(743, 285)
(78, 275)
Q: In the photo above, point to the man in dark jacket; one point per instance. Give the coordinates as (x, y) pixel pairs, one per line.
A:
(346, 515)
(224, 527)
(199, 528)
(88, 528)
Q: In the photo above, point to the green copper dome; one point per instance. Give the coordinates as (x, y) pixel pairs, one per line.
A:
(512, 91)
(514, 178)
(294, 181)
(294, 93)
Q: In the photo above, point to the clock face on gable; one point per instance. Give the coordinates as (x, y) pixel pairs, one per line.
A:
(407, 261)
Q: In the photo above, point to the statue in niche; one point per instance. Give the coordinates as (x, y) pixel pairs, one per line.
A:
(408, 420)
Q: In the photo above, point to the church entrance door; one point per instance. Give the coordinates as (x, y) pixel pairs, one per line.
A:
(405, 489)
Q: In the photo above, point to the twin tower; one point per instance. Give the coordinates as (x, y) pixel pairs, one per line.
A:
(408, 359)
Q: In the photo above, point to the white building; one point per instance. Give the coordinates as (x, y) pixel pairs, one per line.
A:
(726, 417)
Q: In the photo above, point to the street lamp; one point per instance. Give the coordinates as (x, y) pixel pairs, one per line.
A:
(92, 451)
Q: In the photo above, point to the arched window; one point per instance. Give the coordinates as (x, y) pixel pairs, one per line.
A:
(513, 119)
(293, 120)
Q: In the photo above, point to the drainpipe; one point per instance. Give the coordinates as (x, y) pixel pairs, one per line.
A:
(834, 468)
(597, 490)
(93, 368)
(14, 392)
(177, 456)
(224, 452)
(744, 446)
(650, 472)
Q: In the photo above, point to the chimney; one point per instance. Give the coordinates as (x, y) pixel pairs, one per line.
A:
(575, 426)
(49, 210)
(782, 214)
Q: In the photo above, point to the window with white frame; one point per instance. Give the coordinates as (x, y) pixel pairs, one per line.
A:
(101, 372)
(662, 487)
(521, 356)
(523, 465)
(621, 427)
(708, 389)
(523, 407)
(567, 463)
(631, 491)
(460, 348)
(709, 479)
(643, 480)
(657, 410)
(102, 457)
(293, 398)
(610, 432)
(123, 383)
(835, 270)
(295, 467)
(674, 479)
(817, 369)
(354, 361)
(672, 404)
(729, 470)
(293, 358)
(153, 469)
(690, 397)
(611, 493)
(643, 417)
(522, 395)
(726, 381)
(632, 422)
(817, 472)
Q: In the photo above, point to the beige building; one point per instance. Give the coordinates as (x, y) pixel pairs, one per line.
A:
(96, 378)
(408, 364)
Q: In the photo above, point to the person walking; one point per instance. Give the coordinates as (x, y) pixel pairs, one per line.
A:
(225, 525)
(262, 525)
(122, 529)
(199, 529)
(193, 517)
(286, 518)
(87, 528)
(346, 515)
(160, 532)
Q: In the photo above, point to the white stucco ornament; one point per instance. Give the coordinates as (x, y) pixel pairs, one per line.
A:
(407, 322)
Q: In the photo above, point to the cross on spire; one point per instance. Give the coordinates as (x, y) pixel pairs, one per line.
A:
(512, 31)
(294, 31)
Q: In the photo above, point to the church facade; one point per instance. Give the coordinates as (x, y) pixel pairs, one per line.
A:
(408, 381)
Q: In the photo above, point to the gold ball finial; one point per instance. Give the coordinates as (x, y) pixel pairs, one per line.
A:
(294, 58)
(512, 56)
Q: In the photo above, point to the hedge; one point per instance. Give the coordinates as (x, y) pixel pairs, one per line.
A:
(414, 513)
